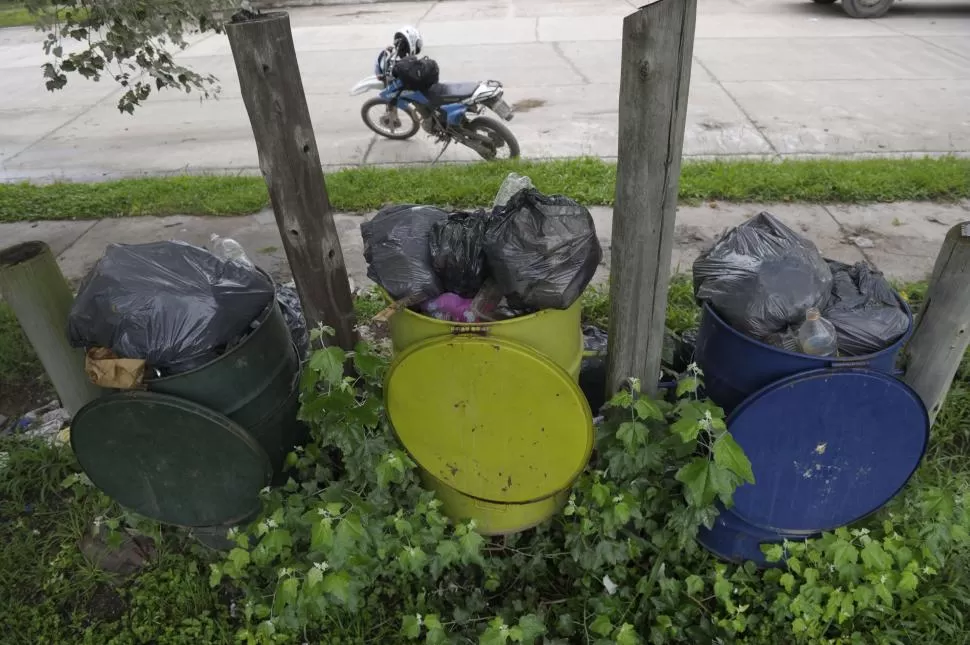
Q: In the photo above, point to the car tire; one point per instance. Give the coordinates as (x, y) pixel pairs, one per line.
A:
(866, 8)
(823, 1)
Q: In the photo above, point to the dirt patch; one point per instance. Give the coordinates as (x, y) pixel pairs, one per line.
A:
(527, 104)
(105, 604)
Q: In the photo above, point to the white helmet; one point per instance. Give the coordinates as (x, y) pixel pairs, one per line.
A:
(407, 41)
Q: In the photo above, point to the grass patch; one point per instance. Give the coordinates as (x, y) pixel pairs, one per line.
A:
(14, 14)
(589, 181)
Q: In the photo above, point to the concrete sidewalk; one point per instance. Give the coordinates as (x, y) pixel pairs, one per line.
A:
(771, 79)
(901, 239)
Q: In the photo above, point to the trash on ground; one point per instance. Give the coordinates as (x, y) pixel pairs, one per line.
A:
(864, 309)
(761, 277)
(175, 305)
(512, 184)
(398, 252)
(816, 336)
(106, 369)
(458, 252)
(862, 242)
(542, 251)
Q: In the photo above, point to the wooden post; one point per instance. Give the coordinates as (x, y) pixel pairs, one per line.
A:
(658, 42)
(272, 89)
(942, 332)
(34, 287)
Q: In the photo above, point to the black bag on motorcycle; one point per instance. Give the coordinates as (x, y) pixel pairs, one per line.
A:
(416, 74)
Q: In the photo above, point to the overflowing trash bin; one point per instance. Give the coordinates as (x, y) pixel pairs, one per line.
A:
(213, 413)
(831, 432)
(488, 344)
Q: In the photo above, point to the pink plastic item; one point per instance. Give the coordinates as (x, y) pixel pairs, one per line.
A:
(450, 307)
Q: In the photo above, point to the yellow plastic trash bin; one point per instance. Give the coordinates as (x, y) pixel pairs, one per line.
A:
(492, 413)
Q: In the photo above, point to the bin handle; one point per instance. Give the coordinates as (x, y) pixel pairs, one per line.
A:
(469, 330)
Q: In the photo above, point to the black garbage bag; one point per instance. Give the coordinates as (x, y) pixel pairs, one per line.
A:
(173, 304)
(542, 251)
(398, 252)
(762, 277)
(864, 309)
(458, 252)
(592, 371)
(292, 309)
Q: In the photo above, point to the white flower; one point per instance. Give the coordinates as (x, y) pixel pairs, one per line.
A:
(321, 566)
(617, 499)
(265, 490)
(420, 618)
(609, 585)
(883, 578)
(271, 523)
(285, 571)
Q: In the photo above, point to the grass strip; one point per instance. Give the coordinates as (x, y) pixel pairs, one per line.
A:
(589, 181)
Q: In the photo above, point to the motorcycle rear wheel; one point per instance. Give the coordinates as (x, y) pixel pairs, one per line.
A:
(500, 136)
(394, 124)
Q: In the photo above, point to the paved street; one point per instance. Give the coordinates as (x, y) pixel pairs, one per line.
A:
(771, 78)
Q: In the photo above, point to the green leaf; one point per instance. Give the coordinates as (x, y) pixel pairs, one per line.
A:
(773, 552)
(313, 577)
(728, 454)
(787, 581)
(722, 590)
(844, 554)
(215, 575)
(411, 626)
(448, 553)
(686, 428)
(724, 482)
(875, 558)
(907, 582)
(532, 628)
(626, 635)
(622, 512)
(321, 535)
(329, 363)
(471, 547)
(687, 385)
(695, 585)
(647, 409)
(497, 633)
(239, 558)
(600, 494)
(699, 490)
(288, 590)
(601, 625)
(337, 585)
(633, 434)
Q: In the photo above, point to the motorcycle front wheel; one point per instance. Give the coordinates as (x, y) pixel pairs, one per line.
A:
(501, 138)
(388, 120)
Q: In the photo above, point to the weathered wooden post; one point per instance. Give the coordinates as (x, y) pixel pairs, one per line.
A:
(34, 287)
(658, 43)
(942, 332)
(272, 89)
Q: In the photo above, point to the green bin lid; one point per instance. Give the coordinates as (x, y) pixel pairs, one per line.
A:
(170, 459)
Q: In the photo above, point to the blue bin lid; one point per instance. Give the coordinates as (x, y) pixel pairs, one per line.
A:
(827, 448)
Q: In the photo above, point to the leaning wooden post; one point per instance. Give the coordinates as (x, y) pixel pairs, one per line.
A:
(34, 287)
(272, 89)
(658, 42)
(942, 332)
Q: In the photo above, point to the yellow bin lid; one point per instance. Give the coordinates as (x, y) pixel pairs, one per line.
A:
(491, 418)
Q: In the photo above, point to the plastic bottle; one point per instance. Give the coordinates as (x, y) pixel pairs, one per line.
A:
(484, 305)
(228, 249)
(513, 183)
(817, 336)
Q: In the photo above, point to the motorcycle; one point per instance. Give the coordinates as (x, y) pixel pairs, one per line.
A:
(442, 111)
